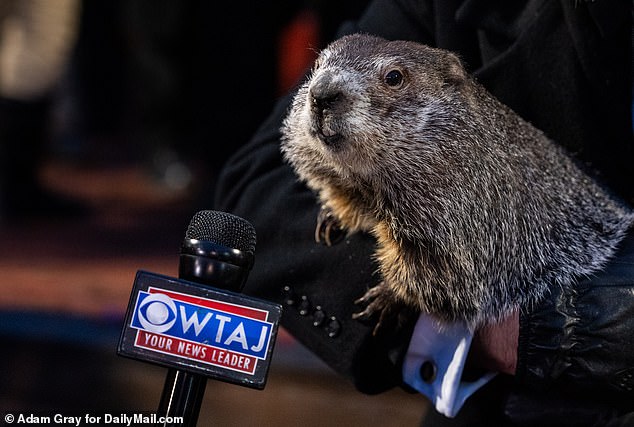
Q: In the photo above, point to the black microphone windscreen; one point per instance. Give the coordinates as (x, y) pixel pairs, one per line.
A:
(222, 228)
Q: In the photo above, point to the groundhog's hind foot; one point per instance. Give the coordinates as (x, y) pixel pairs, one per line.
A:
(379, 301)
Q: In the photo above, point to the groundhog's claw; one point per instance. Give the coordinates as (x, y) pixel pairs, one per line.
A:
(328, 230)
(374, 298)
(377, 300)
(393, 315)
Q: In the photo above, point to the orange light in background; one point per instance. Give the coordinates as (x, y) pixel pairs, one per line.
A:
(298, 46)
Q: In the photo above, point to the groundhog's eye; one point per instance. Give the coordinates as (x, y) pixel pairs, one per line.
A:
(394, 78)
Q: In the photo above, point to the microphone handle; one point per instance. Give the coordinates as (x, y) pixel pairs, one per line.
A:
(183, 392)
(182, 397)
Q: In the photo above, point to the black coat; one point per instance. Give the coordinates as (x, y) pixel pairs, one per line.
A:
(562, 65)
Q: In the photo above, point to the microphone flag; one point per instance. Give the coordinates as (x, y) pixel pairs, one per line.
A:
(200, 329)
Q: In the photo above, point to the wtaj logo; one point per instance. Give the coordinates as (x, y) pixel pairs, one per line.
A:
(214, 332)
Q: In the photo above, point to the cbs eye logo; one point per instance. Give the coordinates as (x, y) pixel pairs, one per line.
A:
(157, 313)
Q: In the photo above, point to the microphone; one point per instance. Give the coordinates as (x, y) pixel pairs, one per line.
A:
(218, 250)
(199, 325)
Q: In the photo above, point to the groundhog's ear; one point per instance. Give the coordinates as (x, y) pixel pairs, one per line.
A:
(455, 72)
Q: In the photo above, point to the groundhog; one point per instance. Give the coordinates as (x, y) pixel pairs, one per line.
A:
(475, 212)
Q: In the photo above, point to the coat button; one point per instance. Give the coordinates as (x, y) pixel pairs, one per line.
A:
(304, 305)
(333, 327)
(428, 371)
(288, 296)
(319, 316)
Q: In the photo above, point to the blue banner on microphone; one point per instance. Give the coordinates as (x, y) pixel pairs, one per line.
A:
(215, 333)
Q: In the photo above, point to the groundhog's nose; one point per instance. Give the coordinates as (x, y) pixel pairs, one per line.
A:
(324, 94)
(326, 100)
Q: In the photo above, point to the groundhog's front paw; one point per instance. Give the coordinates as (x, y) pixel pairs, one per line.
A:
(328, 230)
(379, 301)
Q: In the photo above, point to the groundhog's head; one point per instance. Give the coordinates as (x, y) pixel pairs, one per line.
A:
(371, 103)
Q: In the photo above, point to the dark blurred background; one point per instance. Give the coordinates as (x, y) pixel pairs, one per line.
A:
(101, 170)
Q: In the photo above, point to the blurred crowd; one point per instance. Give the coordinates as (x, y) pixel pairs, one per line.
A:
(174, 85)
